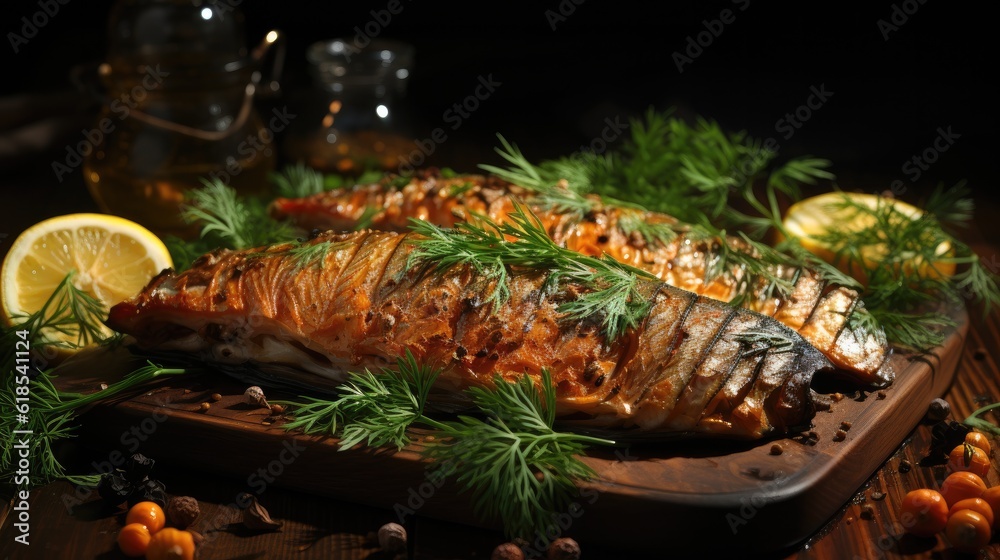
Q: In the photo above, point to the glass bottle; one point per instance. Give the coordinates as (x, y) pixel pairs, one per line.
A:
(179, 110)
(353, 120)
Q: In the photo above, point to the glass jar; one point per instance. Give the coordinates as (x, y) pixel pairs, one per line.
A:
(353, 120)
(179, 111)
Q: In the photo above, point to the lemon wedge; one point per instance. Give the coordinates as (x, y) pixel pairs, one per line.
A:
(845, 213)
(111, 259)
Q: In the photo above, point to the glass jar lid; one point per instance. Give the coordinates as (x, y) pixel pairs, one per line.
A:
(339, 63)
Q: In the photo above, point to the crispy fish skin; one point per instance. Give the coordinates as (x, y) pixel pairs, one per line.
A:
(818, 311)
(694, 367)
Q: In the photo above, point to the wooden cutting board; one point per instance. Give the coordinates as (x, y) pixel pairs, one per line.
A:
(650, 498)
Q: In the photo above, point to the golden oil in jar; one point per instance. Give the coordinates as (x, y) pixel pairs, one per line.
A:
(353, 119)
(179, 111)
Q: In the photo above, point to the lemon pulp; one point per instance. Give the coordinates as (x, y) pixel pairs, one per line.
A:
(111, 258)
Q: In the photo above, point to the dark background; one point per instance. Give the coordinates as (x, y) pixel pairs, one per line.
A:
(612, 59)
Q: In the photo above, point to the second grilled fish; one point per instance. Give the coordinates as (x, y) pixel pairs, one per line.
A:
(819, 311)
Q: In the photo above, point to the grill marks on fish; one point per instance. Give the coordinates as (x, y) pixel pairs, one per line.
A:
(684, 371)
(819, 312)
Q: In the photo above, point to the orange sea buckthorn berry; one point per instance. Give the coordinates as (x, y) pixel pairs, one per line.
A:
(967, 531)
(149, 514)
(924, 512)
(977, 505)
(171, 544)
(992, 497)
(978, 462)
(980, 440)
(961, 485)
(133, 540)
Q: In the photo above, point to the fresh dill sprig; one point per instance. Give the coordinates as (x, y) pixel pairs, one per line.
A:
(297, 181)
(517, 467)
(372, 409)
(824, 270)
(911, 330)
(367, 217)
(300, 180)
(45, 430)
(69, 318)
(458, 189)
(522, 242)
(52, 417)
(562, 200)
(393, 180)
(378, 409)
(976, 282)
(750, 266)
(466, 245)
(951, 206)
(312, 415)
(310, 254)
(689, 172)
(655, 233)
(521, 172)
(667, 165)
(229, 221)
(614, 297)
(560, 186)
(805, 170)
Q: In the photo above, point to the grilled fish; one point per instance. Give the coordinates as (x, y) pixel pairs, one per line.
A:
(820, 312)
(693, 367)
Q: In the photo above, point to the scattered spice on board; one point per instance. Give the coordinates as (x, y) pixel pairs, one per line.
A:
(392, 537)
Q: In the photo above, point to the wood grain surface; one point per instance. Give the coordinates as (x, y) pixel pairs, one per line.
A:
(741, 492)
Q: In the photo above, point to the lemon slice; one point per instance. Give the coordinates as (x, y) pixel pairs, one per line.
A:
(812, 218)
(112, 259)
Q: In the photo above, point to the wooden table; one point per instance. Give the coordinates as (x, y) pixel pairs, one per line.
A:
(317, 527)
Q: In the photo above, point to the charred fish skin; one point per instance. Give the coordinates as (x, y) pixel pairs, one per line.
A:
(820, 312)
(695, 367)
